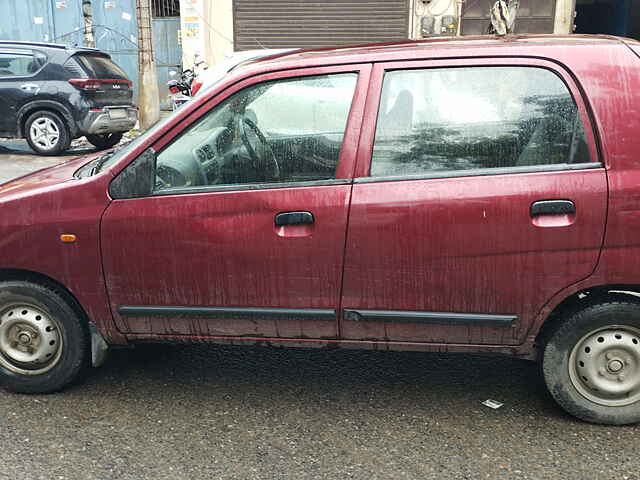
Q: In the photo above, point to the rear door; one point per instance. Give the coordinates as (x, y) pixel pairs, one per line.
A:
(18, 83)
(478, 196)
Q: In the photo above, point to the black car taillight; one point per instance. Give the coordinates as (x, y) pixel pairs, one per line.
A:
(87, 84)
(174, 89)
(94, 84)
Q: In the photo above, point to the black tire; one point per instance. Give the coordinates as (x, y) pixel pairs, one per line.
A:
(585, 358)
(21, 303)
(107, 140)
(38, 144)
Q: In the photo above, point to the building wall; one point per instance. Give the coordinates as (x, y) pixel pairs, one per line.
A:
(207, 25)
(219, 38)
(438, 9)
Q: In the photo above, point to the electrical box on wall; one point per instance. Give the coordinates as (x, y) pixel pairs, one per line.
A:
(448, 25)
(431, 26)
(436, 18)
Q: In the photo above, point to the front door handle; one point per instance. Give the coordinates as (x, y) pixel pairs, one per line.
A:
(293, 218)
(552, 207)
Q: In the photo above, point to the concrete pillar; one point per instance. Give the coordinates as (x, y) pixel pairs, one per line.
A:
(148, 97)
(87, 13)
(565, 14)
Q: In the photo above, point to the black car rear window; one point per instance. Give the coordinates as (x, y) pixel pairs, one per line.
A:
(101, 67)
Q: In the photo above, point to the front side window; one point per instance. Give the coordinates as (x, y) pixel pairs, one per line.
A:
(455, 119)
(279, 131)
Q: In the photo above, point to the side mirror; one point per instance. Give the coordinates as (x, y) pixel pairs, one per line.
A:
(137, 179)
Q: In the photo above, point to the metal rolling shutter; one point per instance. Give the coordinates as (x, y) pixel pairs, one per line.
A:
(307, 24)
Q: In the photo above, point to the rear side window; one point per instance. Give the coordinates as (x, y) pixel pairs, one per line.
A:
(453, 119)
(20, 64)
(101, 67)
(73, 67)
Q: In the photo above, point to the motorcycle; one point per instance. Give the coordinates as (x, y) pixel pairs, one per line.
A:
(182, 89)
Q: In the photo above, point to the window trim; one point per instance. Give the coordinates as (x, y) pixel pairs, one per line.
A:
(362, 172)
(30, 53)
(483, 172)
(348, 150)
(243, 187)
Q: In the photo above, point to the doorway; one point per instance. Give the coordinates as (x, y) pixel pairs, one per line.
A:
(611, 17)
(166, 45)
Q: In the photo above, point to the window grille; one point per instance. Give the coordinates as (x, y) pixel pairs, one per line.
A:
(166, 8)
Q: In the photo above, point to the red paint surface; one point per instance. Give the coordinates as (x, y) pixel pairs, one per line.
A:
(456, 244)
(467, 245)
(35, 210)
(223, 249)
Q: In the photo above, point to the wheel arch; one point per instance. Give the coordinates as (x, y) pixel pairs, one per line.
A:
(50, 106)
(99, 346)
(579, 300)
(9, 274)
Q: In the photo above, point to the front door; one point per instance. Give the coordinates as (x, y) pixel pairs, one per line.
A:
(244, 234)
(478, 196)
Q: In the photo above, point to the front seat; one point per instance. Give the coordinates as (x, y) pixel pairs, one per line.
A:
(399, 120)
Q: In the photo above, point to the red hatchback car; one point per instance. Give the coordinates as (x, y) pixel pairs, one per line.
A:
(475, 195)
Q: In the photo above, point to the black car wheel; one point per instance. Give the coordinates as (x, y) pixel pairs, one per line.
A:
(106, 140)
(47, 133)
(591, 363)
(44, 344)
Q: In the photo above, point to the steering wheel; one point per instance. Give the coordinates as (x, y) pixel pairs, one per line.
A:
(260, 162)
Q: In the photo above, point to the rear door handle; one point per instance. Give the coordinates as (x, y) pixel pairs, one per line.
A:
(552, 207)
(293, 218)
(29, 87)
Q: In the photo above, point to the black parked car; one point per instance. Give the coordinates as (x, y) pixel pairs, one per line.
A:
(51, 94)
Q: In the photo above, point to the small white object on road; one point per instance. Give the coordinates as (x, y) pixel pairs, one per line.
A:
(492, 404)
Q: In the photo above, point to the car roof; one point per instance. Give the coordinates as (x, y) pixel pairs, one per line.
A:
(417, 48)
(45, 45)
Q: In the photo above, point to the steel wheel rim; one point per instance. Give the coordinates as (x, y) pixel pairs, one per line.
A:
(30, 340)
(604, 366)
(45, 133)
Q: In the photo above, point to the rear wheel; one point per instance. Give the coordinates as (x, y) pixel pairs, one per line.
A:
(44, 344)
(47, 133)
(104, 141)
(591, 363)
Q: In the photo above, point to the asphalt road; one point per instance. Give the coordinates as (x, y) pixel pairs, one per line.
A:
(183, 412)
(17, 159)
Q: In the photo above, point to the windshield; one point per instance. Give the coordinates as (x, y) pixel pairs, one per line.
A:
(101, 67)
(129, 147)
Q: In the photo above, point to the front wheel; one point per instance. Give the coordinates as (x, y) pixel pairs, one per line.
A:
(591, 363)
(107, 140)
(44, 344)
